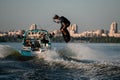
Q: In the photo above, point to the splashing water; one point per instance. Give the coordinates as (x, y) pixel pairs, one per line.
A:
(49, 55)
(6, 50)
(62, 56)
(78, 52)
(83, 53)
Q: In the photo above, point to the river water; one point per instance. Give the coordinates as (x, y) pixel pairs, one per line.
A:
(72, 61)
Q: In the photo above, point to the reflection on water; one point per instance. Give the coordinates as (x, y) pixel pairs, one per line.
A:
(72, 61)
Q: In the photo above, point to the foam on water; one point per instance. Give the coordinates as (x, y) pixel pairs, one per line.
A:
(70, 52)
(6, 50)
(73, 52)
(81, 54)
(78, 53)
(95, 52)
(49, 55)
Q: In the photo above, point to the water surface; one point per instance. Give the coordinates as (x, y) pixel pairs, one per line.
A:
(72, 61)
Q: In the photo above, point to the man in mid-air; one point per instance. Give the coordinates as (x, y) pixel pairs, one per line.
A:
(64, 24)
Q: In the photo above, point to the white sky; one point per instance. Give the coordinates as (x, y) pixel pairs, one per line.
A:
(87, 14)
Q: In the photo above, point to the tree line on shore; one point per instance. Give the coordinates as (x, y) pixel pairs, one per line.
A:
(11, 38)
(60, 39)
(90, 39)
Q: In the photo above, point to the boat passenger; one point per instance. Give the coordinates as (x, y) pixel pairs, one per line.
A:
(27, 43)
(44, 40)
(35, 45)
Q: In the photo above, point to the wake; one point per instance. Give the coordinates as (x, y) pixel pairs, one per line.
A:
(6, 50)
(68, 53)
(71, 52)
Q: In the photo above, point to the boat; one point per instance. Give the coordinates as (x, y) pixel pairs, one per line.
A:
(35, 42)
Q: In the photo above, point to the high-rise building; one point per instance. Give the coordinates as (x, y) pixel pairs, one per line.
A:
(73, 29)
(33, 27)
(113, 28)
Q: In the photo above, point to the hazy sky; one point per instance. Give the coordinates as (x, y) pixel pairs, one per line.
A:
(87, 14)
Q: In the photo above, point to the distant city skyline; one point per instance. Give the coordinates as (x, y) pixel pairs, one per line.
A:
(87, 14)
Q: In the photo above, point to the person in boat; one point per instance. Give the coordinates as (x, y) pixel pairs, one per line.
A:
(64, 24)
(27, 42)
(44, 40)
(35, 45)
